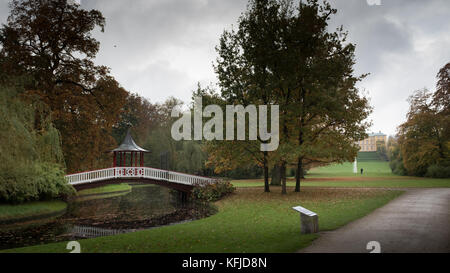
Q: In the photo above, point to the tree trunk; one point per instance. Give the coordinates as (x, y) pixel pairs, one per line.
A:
(298, 174)
(283, 178)
(266, 174)
(276, 176)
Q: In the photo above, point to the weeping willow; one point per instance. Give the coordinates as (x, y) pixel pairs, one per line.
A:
(183, 156)
(31, 158)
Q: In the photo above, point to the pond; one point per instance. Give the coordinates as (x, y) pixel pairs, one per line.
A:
(146, 206)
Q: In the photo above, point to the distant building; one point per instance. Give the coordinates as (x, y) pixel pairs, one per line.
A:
(370, 144)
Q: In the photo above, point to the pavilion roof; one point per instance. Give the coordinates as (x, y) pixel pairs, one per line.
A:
(128, 145)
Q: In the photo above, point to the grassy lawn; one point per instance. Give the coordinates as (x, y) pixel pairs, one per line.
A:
(377, 174)
(253, 221)
(247, 221)
(8, 212)
(106, 189)
(350, 182)
(371, 169)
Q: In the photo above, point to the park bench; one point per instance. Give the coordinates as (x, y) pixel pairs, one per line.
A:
(308, 219)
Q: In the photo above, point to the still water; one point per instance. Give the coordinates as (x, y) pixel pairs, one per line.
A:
(144, 207)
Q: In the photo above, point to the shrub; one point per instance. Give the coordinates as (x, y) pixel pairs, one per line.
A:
(438, 171)
(397, 167)
(213, 192)
(244, 173)
(38, 181)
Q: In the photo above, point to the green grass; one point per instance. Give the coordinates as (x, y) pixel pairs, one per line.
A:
(368, 156)
(106, 189)
(248, 221)
(253, 221)
(406, 182)
(371, 169)
(99, 196)
(8, 212)
(377, 174)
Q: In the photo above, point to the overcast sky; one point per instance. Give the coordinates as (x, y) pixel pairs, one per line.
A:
(162, 48)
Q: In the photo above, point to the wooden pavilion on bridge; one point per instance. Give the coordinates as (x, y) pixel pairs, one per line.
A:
(128, 147)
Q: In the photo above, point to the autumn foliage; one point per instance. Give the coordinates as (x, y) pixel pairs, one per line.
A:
(424, 139)
(50, 43)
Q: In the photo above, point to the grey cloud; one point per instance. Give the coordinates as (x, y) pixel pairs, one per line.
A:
(162, 48)
(402, 43)
(158, 78)
(142, 32)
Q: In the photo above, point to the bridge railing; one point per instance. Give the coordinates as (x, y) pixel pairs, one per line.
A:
(92, 176)
(188, 178)
(137, 172)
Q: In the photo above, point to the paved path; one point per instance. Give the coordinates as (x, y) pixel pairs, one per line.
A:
(417, 221)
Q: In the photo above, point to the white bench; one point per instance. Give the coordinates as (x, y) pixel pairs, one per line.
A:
(309, 220)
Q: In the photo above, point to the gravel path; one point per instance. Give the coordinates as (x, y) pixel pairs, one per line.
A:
(417, 221)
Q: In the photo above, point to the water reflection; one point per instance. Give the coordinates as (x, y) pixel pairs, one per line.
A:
(92, 232)
(145, 206)
(143, 203)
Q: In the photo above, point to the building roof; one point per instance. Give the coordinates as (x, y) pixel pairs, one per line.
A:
(377, 134)
(128, 145)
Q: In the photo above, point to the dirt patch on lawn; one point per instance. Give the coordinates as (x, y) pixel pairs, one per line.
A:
(313, 194)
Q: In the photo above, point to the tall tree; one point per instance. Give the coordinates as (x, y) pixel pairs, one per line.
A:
(441, 98)
(325, 111)
(50, 41)
(139, 114)
(284, 54)
(424, 139)
(243, 65)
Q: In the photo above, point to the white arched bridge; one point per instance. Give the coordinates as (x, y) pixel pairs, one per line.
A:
(179, 181)
(128, 165)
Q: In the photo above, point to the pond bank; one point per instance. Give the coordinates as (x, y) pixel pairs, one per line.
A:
(144, 207)
(40, 210)
(12, 214)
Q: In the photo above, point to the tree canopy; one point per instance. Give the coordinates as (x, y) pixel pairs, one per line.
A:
(285, 54)
(424, 139)
(50, 43)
